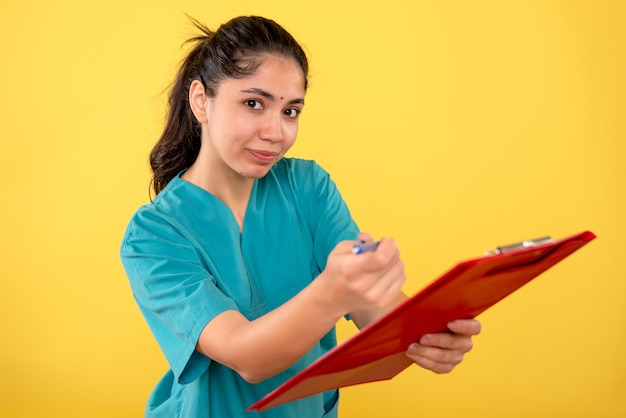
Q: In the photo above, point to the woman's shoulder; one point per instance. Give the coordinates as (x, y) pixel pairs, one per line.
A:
(306, 180)
(297, 164)
(178, 204)
(299, 169)
(164, 203)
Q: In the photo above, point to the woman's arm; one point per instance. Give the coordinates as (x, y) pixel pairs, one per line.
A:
(268, 345)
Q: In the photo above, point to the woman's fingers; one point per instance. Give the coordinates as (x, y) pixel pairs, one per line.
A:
(442, 352)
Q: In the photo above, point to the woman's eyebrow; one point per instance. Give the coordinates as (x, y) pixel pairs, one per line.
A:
(270, 96)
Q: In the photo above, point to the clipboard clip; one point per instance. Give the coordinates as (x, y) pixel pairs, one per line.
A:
(520, 245)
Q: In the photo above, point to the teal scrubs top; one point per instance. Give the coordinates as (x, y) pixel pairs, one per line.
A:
(187, 262)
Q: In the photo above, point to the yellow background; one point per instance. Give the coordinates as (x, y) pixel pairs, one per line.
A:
(453, 126)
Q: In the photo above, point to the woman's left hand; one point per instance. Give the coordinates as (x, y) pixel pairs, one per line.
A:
(441, 352)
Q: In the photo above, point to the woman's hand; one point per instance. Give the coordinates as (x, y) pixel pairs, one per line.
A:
(441, 352)
(364, 282)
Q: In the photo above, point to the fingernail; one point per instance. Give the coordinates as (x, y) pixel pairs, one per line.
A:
(413, 347)
(425, 339)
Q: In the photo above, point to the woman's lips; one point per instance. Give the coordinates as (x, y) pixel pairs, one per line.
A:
(264, 156)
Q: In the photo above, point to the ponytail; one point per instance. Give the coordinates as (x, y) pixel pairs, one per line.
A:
(179, 144)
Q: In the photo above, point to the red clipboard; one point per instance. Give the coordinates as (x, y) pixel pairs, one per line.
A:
(377, 351)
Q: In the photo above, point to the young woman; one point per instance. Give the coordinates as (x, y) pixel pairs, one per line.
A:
(242, 263)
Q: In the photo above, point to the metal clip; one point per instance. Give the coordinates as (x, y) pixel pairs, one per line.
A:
(520, 245)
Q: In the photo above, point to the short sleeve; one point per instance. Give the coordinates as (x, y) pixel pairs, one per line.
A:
(174, 290)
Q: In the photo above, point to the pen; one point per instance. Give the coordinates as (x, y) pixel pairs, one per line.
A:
(364, 247)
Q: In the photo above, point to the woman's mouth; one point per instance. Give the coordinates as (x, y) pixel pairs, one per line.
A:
(263, 156)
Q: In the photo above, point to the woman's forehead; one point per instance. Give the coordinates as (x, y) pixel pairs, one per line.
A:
(276, 74)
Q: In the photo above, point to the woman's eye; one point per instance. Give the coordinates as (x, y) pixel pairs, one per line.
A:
(292, 112)
(254, 104)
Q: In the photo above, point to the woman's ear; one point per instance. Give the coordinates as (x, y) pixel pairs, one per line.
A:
(198, 101)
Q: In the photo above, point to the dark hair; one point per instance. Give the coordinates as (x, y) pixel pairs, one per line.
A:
(233, 51)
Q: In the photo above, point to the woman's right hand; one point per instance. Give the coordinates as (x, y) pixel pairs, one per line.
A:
(370, 281)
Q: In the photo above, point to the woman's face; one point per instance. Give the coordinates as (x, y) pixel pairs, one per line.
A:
(253, 121)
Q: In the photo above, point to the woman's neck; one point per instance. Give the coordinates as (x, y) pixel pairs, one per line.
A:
(229, 187)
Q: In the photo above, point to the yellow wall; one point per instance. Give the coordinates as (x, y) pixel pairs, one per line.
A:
(452, 126)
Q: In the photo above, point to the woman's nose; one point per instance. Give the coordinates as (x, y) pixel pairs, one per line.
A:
(271, 129)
